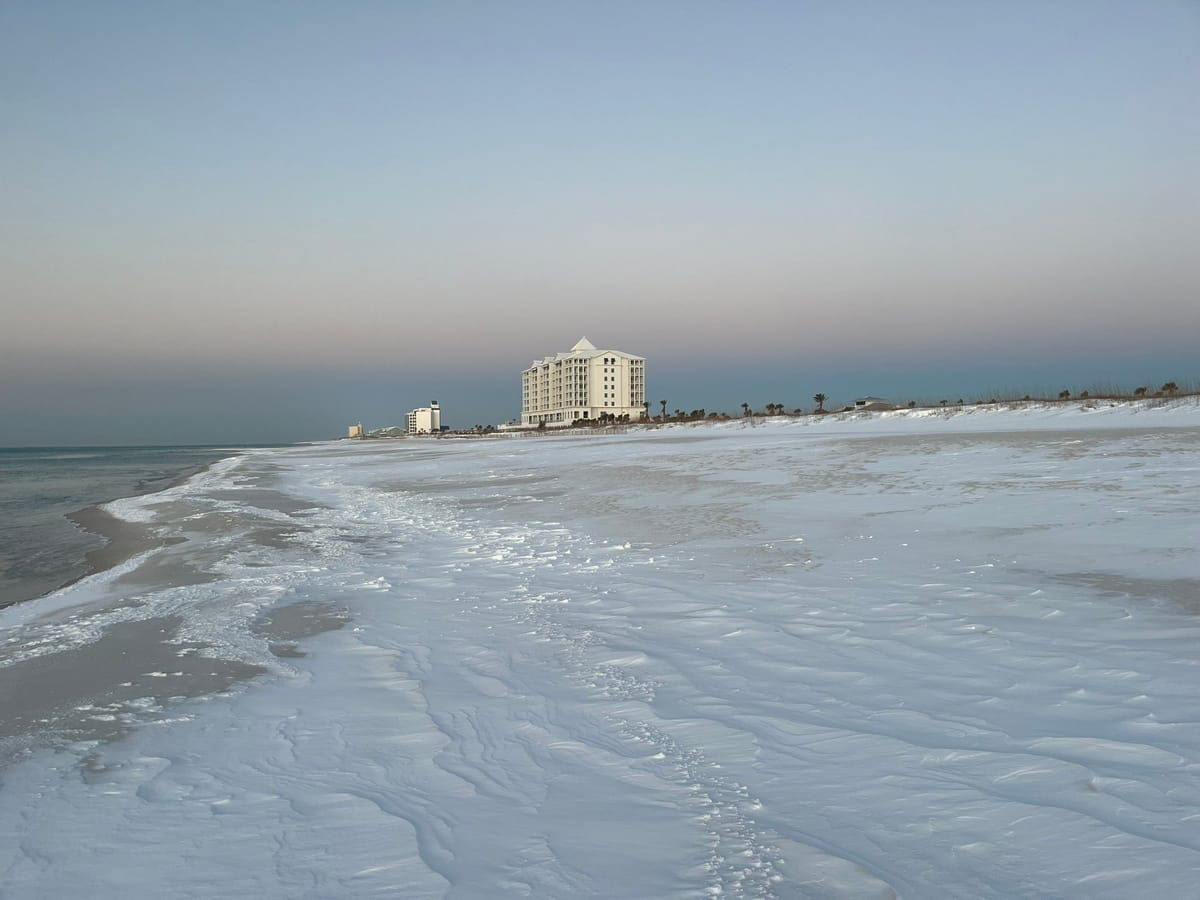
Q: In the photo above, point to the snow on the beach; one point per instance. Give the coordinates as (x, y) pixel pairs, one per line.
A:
(952, 654)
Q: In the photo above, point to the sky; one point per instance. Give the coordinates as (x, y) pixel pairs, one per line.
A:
(258, 222)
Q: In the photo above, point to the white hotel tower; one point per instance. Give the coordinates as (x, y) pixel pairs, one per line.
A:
(425, 419)
(583, 383)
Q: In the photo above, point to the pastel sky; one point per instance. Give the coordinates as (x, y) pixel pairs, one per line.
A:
(261, 221)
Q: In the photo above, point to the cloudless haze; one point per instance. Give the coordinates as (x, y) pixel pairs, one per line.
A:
(256, 222)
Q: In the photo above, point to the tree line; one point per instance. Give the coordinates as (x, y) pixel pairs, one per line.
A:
(1169, 389)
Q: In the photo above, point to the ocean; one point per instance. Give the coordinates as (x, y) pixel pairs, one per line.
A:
(937, 655)
(41, 548)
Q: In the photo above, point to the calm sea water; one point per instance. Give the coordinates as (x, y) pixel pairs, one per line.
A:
(40, 549)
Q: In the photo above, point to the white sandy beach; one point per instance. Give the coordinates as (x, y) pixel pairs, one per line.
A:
(948, 654)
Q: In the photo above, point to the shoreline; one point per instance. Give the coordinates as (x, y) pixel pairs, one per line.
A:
(123, 540)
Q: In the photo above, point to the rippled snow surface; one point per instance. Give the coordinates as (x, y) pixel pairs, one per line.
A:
(920, 658)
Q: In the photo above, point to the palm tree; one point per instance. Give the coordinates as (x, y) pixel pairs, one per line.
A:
(819, 399)
(745, 409)
(664, 408)
(646, 410)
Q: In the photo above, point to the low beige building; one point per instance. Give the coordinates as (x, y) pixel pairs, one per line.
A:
(356, 431)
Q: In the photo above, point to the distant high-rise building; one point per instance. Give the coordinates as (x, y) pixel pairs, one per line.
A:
(425, 419)
(356, 431)
(583, 384)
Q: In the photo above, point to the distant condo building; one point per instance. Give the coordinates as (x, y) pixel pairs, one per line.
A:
(583, 384)
(425, 419)
(356, 431)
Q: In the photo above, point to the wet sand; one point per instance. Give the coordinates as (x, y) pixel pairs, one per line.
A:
(125, 540)
(101, 690)
(137, 670)
(286, 626)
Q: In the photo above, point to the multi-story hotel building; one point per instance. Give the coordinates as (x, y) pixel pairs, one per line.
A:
(425, 419)
(583, 384)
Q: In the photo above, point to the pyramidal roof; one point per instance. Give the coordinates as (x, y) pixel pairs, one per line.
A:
(584, 344)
